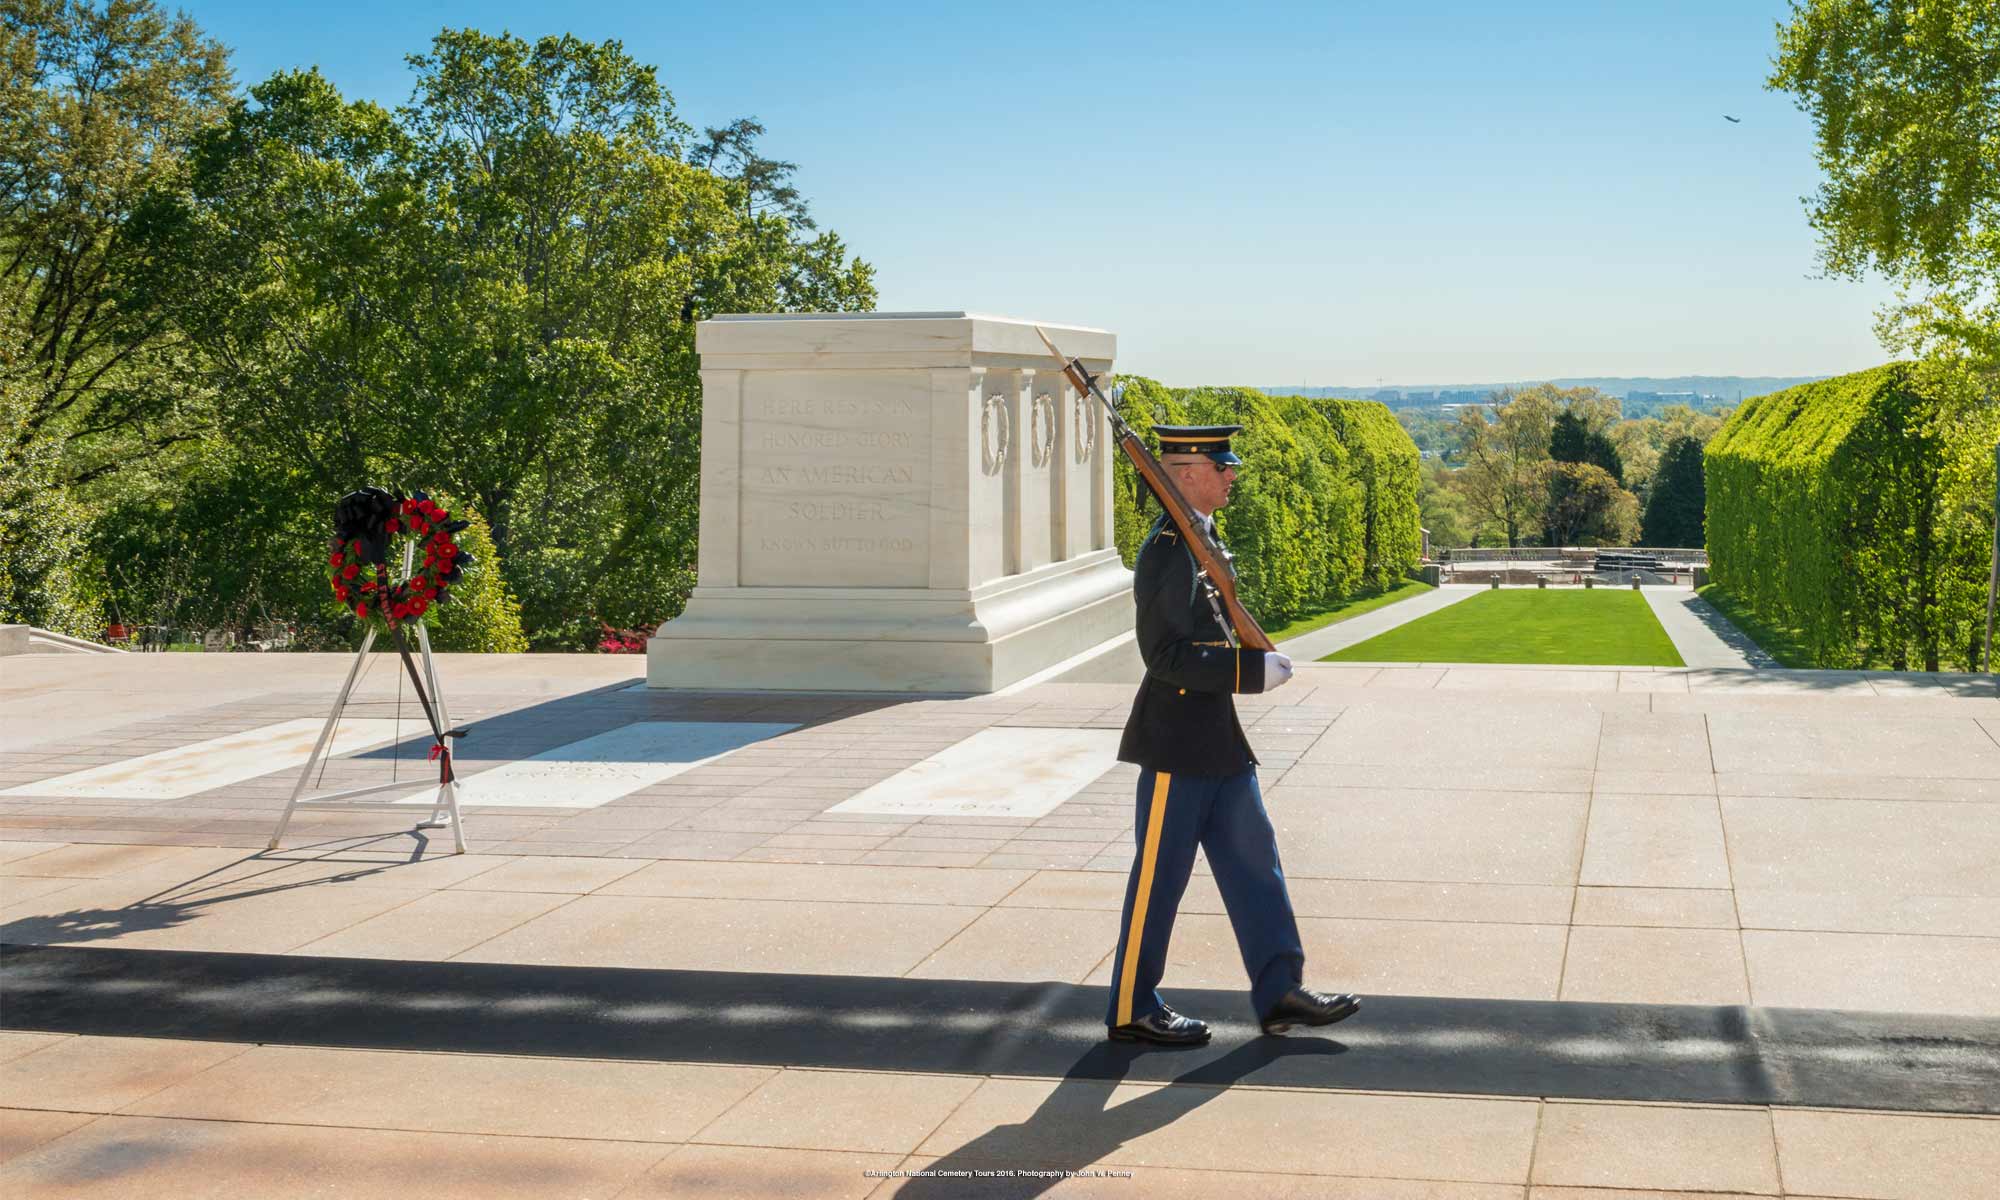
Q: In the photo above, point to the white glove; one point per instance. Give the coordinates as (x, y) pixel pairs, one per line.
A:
(1277, 670)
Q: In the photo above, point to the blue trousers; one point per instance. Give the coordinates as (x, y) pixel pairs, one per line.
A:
(1223, 815)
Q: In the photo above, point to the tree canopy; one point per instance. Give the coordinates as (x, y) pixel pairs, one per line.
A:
(1585, 506)
(490, 290)
(1501, 480)
(1905, 100)
(96, 107)
(1572, 440)
(1676, 505)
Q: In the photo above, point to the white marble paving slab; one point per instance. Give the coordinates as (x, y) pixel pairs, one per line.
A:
(995, 773)
(217, 762)
(601, 768)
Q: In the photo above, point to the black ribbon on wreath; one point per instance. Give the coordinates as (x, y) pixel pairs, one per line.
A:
(364, 520)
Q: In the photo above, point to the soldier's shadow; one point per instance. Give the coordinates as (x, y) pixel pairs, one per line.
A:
(1077, 1126)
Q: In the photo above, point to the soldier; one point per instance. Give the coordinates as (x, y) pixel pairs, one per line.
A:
(1198, 779)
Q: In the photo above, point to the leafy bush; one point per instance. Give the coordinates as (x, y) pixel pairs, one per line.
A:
(481, 614)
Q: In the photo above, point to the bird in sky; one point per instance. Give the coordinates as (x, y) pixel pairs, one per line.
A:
(1732, 120)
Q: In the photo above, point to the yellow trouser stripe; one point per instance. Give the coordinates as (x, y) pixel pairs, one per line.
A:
(1128, 972)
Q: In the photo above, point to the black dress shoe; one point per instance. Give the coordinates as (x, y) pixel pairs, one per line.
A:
(1303, 1006)
(1166, 1027)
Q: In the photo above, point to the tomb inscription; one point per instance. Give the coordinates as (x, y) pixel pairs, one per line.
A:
(836, 479)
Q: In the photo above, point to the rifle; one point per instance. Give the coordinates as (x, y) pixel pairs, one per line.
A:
(1211, 564)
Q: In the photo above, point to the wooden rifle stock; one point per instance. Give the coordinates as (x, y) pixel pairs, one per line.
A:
(1211, 567)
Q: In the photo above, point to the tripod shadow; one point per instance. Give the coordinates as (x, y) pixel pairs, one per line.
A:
(248, 877)
(1076, 1126)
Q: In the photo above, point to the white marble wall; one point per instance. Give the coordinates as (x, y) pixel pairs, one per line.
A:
(895, 501)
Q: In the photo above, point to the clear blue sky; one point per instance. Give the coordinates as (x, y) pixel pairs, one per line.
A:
(1257, 193)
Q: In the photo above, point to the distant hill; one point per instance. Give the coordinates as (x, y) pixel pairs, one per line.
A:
(1720, 390)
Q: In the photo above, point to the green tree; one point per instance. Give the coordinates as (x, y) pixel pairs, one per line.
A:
(1502, 481)
(489, 292)
(1905, 99)
(220, 541)
(97, 106)
(1585, 506)
(765, 183)
(295, 263)
(1641, 442)
(1443, 509)
(1572, 440)
(1679, 421)
(1675, 507)
(1435, 437)
(46, 577)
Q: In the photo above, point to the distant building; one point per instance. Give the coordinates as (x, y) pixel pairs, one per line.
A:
(1416, 399)
(1460, 397)
(1387, 395)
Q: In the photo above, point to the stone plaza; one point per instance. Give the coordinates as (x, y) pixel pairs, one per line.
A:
(1710, 931)
(820, 898)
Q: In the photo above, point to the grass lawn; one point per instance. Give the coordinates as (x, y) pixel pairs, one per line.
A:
(1353, 606)
(1529, 625)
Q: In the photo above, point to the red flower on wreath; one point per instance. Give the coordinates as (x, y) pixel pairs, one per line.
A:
(372, 517)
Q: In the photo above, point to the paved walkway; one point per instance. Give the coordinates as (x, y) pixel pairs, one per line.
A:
(1704, 637)
(1598, 962)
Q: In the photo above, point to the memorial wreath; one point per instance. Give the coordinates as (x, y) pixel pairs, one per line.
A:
(357, 561)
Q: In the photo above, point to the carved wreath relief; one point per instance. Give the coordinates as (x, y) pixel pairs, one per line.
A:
(1042, 430)
(1082, 421)
(993, 447)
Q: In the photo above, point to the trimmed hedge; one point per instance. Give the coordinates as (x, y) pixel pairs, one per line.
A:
(1386, 468)
(1326, 504)
(1858, 511)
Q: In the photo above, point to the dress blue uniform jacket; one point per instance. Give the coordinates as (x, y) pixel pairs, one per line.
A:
(1184, 718)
